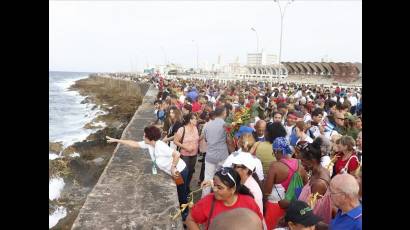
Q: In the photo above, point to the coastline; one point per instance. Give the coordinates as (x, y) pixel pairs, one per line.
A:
(81, 164)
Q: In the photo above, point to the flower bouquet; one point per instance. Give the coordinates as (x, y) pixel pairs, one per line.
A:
(242, 116)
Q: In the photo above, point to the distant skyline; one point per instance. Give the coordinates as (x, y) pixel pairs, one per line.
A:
(126, 35)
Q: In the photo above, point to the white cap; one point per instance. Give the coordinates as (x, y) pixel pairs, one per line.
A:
(243, 158)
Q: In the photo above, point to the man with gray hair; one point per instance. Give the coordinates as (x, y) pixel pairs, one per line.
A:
(344, 192)
(237, 219)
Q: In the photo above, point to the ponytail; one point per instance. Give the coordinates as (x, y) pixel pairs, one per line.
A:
(242, 189)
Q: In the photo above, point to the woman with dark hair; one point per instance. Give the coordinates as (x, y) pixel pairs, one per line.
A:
(316, 192)
(187, 140)
(275, 130)
(228, 194)
(163, 157)
(278, 179)
(175, 122)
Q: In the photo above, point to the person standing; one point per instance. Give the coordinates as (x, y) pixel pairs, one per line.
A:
(163, 157)
(228, 194)
(215, 136)
(344, 191)
(187, 139)
(316, 192)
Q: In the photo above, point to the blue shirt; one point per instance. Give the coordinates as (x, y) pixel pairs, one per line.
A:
(351, 220)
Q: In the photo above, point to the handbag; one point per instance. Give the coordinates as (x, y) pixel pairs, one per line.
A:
(178, 179)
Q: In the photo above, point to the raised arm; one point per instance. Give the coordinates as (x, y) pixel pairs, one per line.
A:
(166, 139)
(175, 159)
(130, 143)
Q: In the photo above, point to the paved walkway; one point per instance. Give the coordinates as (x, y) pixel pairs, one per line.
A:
(127, 195)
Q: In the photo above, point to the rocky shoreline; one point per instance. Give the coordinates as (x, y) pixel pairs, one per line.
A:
(118, 100)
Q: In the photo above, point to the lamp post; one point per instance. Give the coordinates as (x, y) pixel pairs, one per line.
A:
(257, 40)
(197, 54)
(282, 15)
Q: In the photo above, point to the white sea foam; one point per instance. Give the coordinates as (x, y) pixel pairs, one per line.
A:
(55, 185)
(67, 115)
(58, 214)
(75, 155)
(99, 124)
(53, 156)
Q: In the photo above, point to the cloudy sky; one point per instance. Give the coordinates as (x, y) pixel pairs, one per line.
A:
(128, 35)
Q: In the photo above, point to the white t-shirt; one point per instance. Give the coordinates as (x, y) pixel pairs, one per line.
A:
(353, 100)
(325, 161)
(307, 138)
(307, 117)
(315, 131)
(163, 155)
(324, 115)
(182, 99)
(258, 169)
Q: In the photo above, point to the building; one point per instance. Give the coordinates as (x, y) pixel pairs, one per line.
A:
(261, 58)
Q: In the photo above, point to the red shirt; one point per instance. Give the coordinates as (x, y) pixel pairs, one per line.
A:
(353, 164)
(201, 210)
(196, 107)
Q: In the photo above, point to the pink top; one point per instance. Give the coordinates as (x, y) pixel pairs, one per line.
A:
(323, 206)
(293, 166)
(191, 140)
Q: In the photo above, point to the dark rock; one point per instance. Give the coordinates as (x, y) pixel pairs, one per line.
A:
(85, 172)
(55, 147)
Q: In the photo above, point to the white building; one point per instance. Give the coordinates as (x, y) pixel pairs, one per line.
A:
(262, 58)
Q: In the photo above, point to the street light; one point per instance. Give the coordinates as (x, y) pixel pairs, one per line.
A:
(197, 54)
(257, 40)
(282, 15)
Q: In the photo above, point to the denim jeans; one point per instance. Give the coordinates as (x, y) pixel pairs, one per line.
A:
(190, 162)
(183, 192)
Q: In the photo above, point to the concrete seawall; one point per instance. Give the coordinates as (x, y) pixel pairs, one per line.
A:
(127, 195)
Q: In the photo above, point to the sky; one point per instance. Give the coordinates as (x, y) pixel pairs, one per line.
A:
(110, 36)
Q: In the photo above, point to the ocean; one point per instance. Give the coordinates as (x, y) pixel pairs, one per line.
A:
(67, 116)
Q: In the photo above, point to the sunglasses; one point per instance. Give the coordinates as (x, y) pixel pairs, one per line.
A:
(225, 172)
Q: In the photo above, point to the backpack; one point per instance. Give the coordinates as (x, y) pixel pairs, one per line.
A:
(295, 185)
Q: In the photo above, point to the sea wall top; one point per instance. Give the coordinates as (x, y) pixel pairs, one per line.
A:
(127, 194)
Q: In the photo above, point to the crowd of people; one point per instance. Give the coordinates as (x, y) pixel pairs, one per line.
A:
(296, 164)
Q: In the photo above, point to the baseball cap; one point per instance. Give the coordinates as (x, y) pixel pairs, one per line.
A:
(299, 212)
(246, 159)
(242, 130)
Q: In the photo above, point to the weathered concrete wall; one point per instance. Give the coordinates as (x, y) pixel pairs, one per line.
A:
(127, 195)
